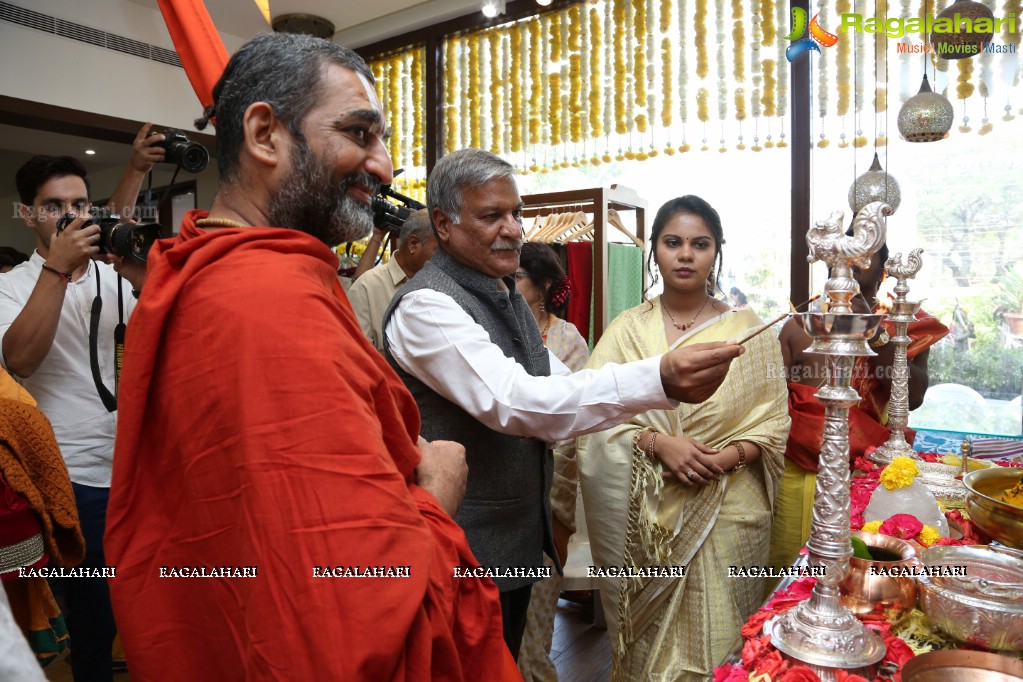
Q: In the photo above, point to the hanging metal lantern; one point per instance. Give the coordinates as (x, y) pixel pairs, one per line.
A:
(926, 116)
(958, 44)
(874, 185)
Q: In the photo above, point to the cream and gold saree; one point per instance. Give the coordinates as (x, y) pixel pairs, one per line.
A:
(679, 628)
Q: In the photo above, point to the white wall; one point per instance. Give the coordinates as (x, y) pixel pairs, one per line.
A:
(47, 68)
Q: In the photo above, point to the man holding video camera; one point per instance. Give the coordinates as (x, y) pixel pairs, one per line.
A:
(371, 294)
(61, 349)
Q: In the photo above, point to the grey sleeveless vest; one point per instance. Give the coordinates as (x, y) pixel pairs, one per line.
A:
(506, 513)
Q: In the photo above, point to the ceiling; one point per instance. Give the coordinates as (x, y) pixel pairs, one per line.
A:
(357, 22)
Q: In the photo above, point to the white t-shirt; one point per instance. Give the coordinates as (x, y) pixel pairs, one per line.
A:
(63, 386)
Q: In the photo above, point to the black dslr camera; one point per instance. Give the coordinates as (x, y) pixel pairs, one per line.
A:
(124, 239)
(181, 151)
(391, 215)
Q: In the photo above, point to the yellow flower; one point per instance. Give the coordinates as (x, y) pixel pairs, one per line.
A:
(928, 536)
(871, 526)
(899, 474)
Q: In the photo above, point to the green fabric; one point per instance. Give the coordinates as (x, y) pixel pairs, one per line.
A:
(47, 644)
(624, 278)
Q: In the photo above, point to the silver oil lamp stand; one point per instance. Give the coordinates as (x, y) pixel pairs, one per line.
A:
(901, 314)
(820, 632)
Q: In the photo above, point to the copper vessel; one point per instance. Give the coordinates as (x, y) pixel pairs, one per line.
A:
(865, 588)
(962, 666)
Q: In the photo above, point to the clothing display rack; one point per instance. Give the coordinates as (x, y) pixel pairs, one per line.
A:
(596, 202)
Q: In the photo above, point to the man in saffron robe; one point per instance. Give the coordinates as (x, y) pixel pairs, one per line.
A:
(868, 421)
(261, 434)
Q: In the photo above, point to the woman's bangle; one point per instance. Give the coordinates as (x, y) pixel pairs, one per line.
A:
(650, 445)
(66, 276)
(742, 456)
(881, 339)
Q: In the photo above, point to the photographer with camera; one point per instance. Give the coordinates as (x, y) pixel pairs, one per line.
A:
(58, 314)
(372, 293)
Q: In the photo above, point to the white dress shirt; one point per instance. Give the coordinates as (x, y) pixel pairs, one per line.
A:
(436, 341)
(63, 385)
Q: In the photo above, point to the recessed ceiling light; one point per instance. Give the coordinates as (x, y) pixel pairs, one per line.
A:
(90, 152)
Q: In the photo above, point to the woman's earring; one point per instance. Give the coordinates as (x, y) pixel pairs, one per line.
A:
(542, 307)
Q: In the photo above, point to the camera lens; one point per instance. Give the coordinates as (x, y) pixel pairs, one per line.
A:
(194, 158)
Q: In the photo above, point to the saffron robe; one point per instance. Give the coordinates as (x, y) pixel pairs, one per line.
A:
(259, 428)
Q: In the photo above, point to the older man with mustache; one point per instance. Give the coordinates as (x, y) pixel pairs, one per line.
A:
(468, 348)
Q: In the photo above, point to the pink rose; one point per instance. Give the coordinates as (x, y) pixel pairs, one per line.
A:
(898, 652)
(902, 526)
(754, 649)
(843, 676)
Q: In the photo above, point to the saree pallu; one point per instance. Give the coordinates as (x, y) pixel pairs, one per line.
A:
(680, 627)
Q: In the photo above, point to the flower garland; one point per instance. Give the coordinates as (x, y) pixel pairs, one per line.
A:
(859, 58)
(468, 104)
(1010, 73)
(535, 87)
(767, 25)
(844, 72)
(701, 104)
(755, 64)
(620, 89)
(576, 74)
(394, 115)
(514, 58)
(451, 89)
(738, 43)
(965, 87)
(510, 106)
(639, 62)
(770, 84)
(719, 17)
(566, 83)
(823, 78)
(683, 73)
(666, 83)
(496, 91)
(417, 109)
(781, 66)
(545, 84)
(700, 39)
(610, 78)
(650, 75)
(595, 95)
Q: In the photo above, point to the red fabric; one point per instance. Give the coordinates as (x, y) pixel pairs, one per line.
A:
(17, 523)
(580, 274)
(258, 427)
(198, 44)
(865, 430)
(807, 433)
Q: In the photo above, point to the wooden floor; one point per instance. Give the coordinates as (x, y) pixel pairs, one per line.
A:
(581, 650)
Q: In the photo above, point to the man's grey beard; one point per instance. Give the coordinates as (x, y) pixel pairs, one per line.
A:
(313, 200)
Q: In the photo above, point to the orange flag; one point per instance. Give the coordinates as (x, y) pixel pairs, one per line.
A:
(198, 44)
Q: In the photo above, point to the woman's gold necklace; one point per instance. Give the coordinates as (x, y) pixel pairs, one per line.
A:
(683, 327)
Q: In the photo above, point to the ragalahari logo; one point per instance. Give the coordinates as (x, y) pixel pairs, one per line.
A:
(818, 36)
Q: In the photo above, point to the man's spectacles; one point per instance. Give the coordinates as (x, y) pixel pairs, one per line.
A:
(519, 274)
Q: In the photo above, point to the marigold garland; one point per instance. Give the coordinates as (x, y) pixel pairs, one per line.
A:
(767, 25)
(700, 38)
(683, 66)
(719, 17)
(468, 105)
(880, 57)
(620, 91)
(474, 91)
(417, 109)
(770, 83)
(781, 68)
(595, 95)
(451, 78)
(844, 48)
(701, 104)
(755, 64)
(515, 76)
(496, 92)
(666, 83)
(740, 104)
(535, 87)
(554, 106)
(575, 107)
(965, 87)
(639, 88)
(610, 66)
(738, 43)
(394, 117)
(566, 84)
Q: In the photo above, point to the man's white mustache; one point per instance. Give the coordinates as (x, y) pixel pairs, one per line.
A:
(507, 245)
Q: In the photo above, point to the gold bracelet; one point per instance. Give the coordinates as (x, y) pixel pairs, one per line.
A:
(742, 456)
(650, 445)
(881, 339)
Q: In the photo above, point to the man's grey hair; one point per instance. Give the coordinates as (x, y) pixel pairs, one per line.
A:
(418, 224)
(465, 169)
(286, 71)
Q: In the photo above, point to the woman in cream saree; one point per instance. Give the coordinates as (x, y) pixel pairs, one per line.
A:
(679, 628)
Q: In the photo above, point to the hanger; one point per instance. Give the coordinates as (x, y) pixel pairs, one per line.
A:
(615, 220)
(585, 231)
(574, 222)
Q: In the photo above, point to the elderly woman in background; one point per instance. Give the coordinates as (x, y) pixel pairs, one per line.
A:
(542, 282)
(689, 487)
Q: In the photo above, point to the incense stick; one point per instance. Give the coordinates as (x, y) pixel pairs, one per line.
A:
(776, 320)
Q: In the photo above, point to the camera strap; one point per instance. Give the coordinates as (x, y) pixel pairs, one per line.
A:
(109, 399)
